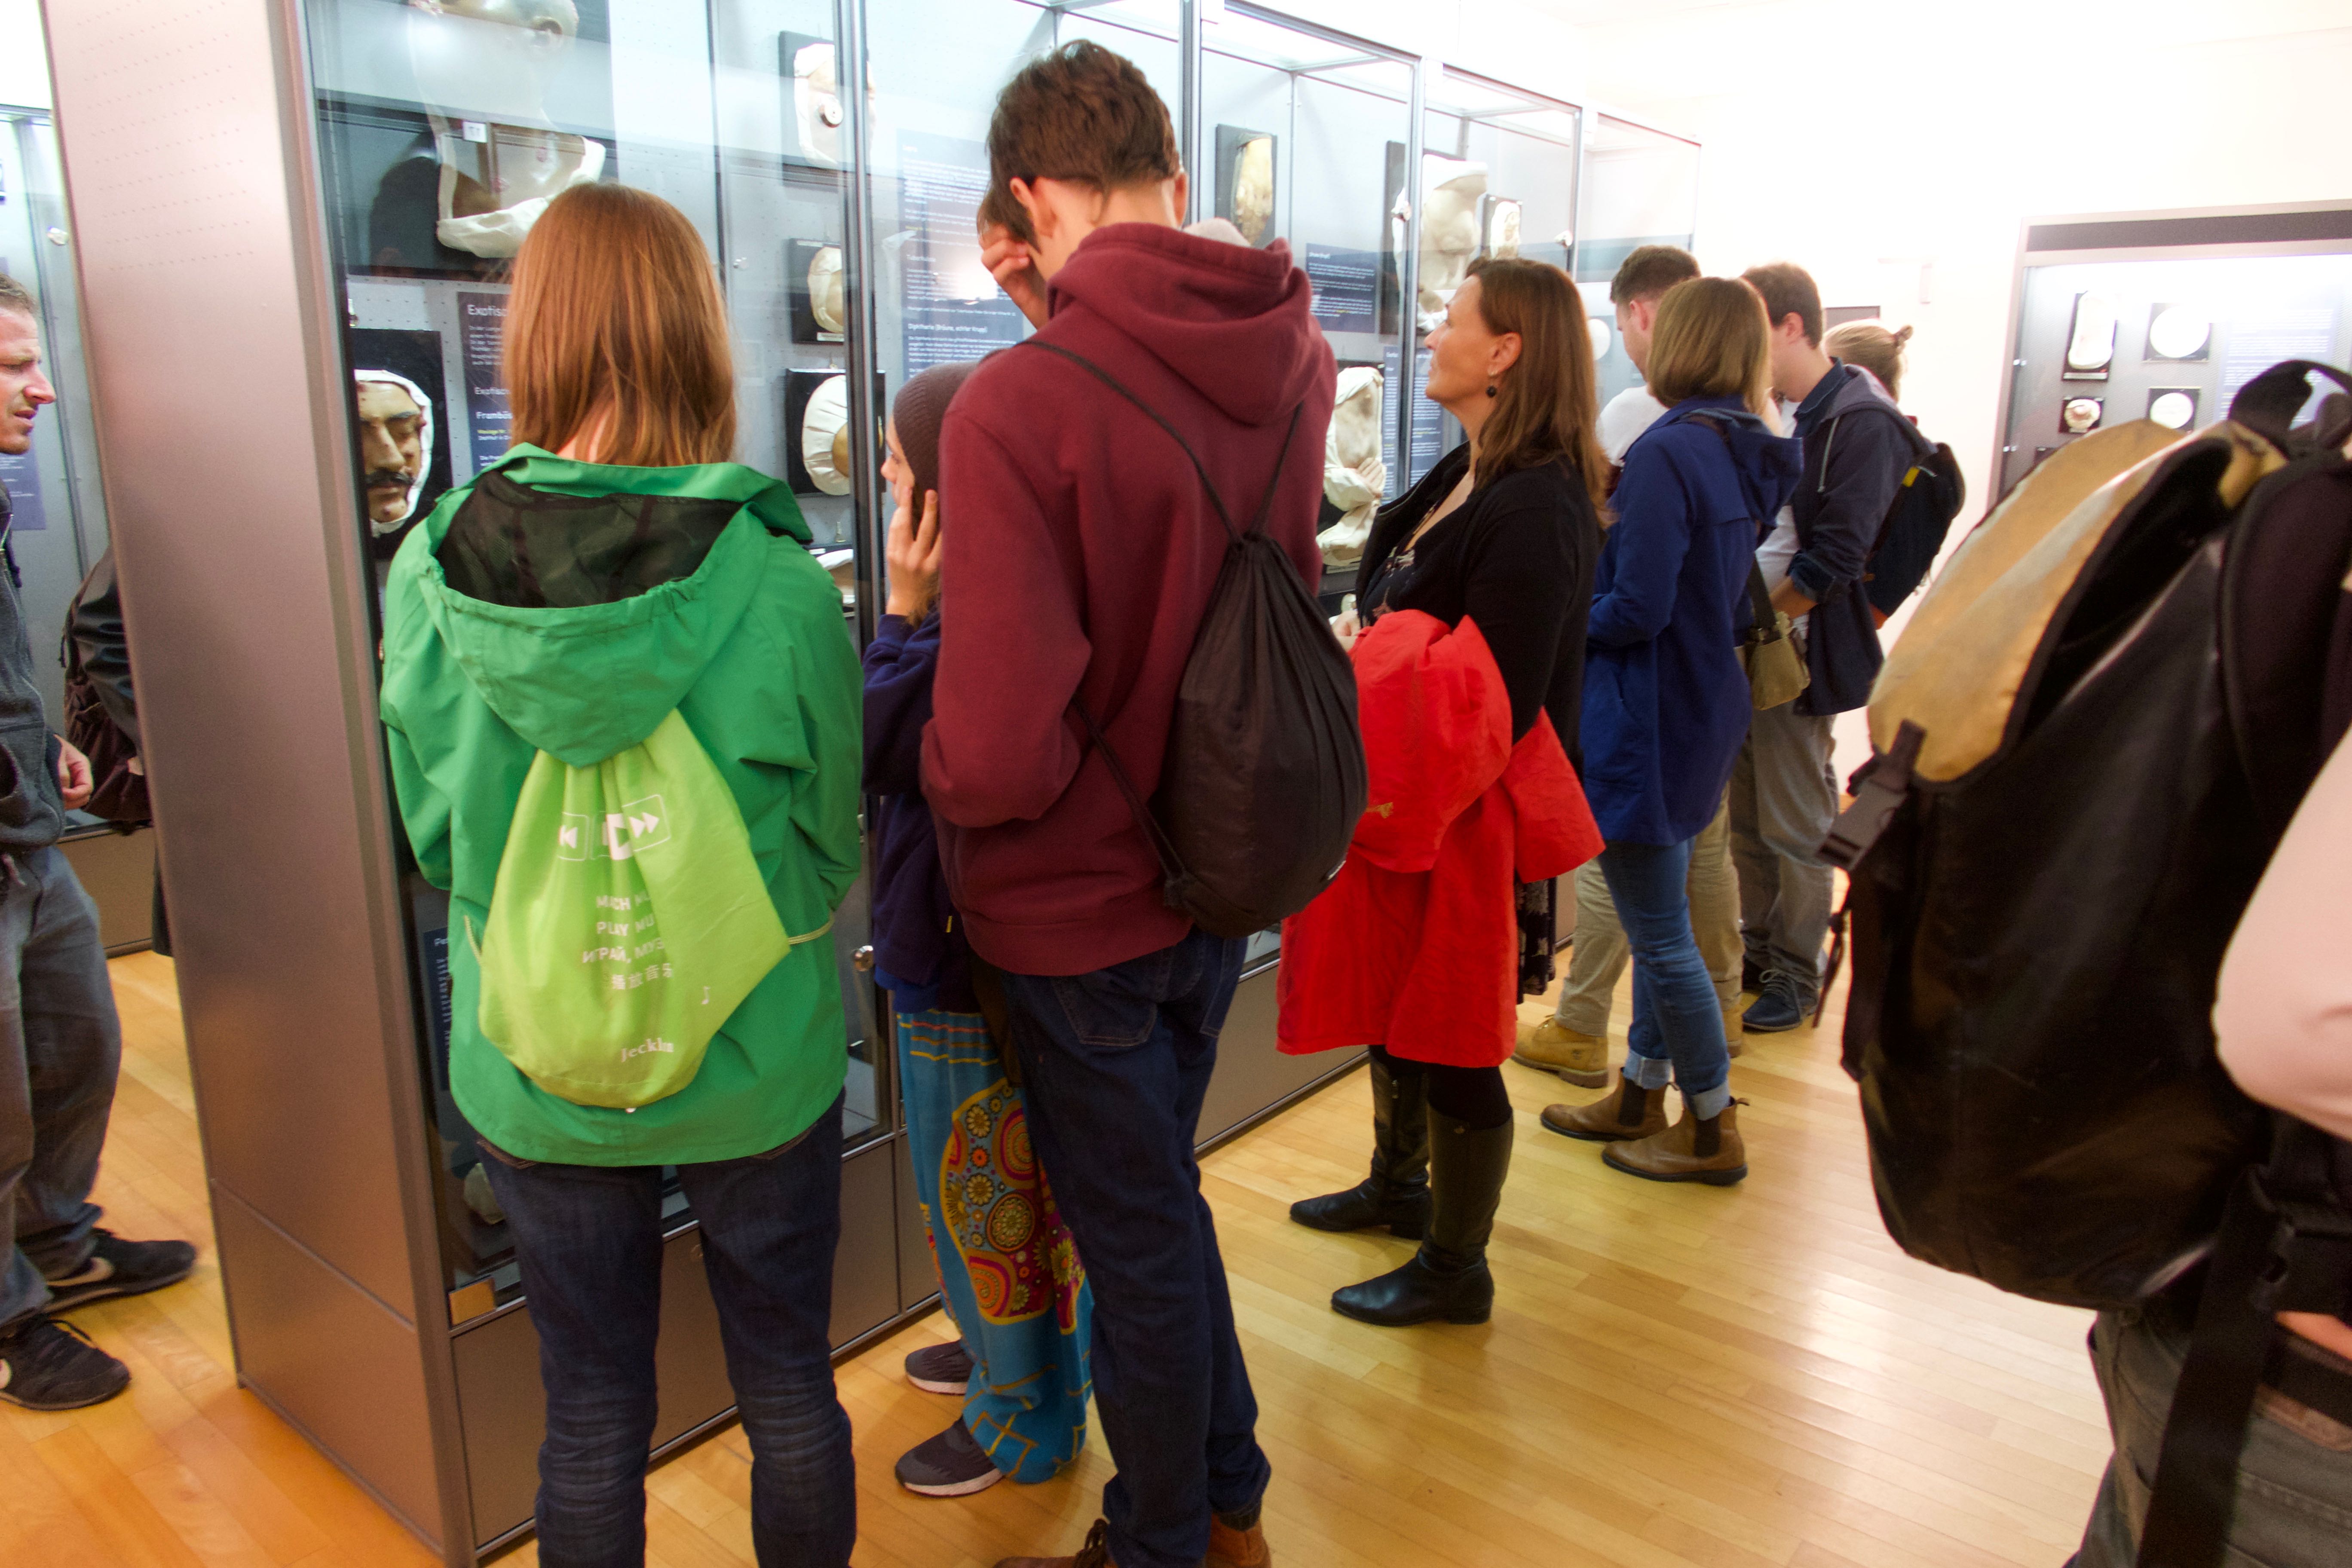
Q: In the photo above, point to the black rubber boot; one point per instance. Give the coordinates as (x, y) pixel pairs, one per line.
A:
(1396, 1194)
(1447, 1277)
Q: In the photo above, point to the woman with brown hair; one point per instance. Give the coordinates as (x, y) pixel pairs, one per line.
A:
(612, 600)
(1667, 706)
(1473, 584)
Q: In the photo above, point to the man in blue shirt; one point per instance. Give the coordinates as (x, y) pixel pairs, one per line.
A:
(1784, 794)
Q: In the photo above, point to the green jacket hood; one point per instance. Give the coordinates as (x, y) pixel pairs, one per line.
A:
(582, 682)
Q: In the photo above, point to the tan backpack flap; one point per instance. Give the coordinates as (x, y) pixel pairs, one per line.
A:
(1957, 668)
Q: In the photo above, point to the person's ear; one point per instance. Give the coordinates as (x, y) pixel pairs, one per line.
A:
(1182, 194)
(1645, 313)
(1503, 355)
(1033, 203)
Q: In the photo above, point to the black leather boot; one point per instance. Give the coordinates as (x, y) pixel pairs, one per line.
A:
(1396, 1194)
(1447, 1277)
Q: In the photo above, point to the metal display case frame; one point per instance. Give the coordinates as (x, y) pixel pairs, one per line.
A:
(198, 192)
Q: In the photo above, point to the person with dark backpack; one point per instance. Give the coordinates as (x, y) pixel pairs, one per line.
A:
(2087, 750)
(1100, 485)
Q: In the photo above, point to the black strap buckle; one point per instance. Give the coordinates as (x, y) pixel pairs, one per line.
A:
(1878, 794)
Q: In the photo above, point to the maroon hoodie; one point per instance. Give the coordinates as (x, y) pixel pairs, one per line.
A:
(1080, 563)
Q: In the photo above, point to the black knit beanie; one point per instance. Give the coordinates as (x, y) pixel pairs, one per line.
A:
(922, 406)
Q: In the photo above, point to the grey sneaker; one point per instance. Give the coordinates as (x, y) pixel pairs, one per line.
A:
(950, 1465)
(120, 1268)
(940, 1368)
(46, 1365)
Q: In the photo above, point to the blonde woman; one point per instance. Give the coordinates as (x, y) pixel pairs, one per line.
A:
(1666, 707)
(1876, 350)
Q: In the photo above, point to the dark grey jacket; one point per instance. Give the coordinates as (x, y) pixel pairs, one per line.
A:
(1857, 446)
(32, 813)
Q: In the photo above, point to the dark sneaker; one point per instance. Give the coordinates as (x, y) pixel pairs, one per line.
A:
(950, 1465)
(1782, 1007)
(940, 1368)
(49, 1365)
(120, 1268)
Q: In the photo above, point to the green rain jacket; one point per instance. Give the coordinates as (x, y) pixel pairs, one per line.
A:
(745, 641)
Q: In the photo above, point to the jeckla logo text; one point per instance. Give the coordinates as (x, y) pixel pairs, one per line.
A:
(665, 1046)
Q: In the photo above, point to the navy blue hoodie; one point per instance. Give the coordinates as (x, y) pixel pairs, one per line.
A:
(1666, 702)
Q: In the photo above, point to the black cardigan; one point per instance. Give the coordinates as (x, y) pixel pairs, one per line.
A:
(1518, 558)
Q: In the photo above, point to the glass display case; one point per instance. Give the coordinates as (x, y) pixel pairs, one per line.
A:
(59, 523)
(830, 153)
(443, 131)
(1641, 187)
(2164, 317)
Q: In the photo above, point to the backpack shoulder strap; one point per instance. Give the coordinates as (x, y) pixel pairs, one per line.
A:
(1265, 507)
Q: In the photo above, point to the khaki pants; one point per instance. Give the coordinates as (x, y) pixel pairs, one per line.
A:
(1598, 960)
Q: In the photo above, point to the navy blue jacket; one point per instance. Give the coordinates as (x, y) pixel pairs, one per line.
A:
(921, 955)
(1857, 448)
(1666, 702)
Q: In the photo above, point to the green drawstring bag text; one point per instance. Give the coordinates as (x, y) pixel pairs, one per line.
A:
(628, 921)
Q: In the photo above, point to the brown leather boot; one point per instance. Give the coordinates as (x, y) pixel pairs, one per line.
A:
(1690, 1151)
(1552, 1046)
(1632, 1112)
(1231, 1548)
(1094, 1554)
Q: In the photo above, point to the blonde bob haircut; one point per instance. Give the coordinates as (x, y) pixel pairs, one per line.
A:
(616, 315)
(1710, 339)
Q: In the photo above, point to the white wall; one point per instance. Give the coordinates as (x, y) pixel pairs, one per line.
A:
(24, 54)
(1894, 150)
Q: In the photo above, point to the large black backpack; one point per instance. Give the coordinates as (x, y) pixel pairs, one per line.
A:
(1265, 775)
(2087, 745)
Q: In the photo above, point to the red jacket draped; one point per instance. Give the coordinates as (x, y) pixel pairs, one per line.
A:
(1414, 945)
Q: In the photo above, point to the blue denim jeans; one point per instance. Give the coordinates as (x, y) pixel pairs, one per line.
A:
(1116, 1063)
(1675, 1019)
(61, 1047)
(589, 1240)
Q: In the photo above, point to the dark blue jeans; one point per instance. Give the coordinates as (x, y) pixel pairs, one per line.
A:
(589, 1240)
(1675, 1019)
(1116, 1063)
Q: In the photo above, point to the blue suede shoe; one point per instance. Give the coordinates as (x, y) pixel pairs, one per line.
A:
(1782, 1007)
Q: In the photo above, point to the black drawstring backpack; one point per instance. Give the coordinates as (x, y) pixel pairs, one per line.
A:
(2087, 744)
(1265, 775)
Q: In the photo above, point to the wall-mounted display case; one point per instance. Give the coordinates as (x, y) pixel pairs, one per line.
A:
(355, 246)
(2164, 316)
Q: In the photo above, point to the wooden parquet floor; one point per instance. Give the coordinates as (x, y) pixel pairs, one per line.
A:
(1675, 1377)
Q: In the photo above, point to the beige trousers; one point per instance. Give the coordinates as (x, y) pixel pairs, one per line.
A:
(1598, 960)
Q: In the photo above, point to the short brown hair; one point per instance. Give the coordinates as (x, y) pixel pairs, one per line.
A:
(1547, 405)
(1788, 290)
(1711, 340)
(13, 296)
(1870, 345)
(1082, 114)
(1649, 270)
(616, 306)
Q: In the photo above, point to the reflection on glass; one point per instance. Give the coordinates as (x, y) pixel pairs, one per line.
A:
(447, 127)
(1641, 187)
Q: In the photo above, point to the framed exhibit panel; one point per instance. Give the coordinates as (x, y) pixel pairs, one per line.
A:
(2164, 316)
(1639, 187)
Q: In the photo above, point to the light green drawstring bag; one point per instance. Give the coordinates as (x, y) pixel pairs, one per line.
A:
(627, 923)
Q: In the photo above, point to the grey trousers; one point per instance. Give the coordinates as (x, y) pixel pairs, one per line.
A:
(1598, 960)
(1784, 798)
(59, 1049)
(2295, 1475)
